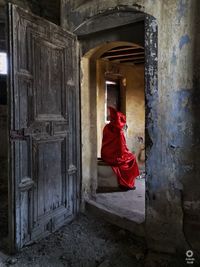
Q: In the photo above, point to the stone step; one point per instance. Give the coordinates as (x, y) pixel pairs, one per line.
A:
(135, 226)
(106, 176)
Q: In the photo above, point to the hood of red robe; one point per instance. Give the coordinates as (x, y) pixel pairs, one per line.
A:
(117, 119)
(115, 152)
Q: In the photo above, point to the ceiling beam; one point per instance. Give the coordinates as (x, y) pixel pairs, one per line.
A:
(123, 55)
(125, 59)
(111, 54)
(117, 49)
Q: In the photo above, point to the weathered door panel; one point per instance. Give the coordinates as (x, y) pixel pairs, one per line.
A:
(44, 127)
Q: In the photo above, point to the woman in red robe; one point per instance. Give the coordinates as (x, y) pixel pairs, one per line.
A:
(115, 152)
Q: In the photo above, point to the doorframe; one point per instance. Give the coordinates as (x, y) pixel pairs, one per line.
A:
(151, 93)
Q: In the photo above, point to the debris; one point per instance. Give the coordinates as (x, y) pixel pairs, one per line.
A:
(105, 263)
(11, 261)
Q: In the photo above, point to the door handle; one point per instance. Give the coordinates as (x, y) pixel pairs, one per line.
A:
(26, 184)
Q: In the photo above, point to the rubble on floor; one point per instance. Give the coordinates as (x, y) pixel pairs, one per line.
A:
(87, 242)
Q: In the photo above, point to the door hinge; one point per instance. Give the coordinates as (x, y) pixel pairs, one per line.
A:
(18, 135)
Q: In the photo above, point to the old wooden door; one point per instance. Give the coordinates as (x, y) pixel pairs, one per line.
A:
(44, 127)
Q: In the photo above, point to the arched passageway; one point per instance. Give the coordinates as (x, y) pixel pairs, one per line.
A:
(113, 74)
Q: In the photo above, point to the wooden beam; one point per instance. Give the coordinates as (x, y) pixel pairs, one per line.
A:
(124, 52)
(124, 55)
(125, 59)
(117, 49)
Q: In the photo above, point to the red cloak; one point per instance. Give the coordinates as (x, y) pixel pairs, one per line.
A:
(115, 152)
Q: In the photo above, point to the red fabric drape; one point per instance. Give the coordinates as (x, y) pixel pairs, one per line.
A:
(115, 152)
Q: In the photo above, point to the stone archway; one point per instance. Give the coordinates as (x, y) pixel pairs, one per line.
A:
(150, 69)
(89, 161)
(92, 112)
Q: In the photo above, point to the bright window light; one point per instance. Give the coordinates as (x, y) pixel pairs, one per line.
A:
(3, 63)
(110, 82)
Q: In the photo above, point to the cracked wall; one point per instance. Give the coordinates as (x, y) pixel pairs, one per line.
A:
(172, 124)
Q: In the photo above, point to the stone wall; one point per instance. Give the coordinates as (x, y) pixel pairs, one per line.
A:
(173, 167)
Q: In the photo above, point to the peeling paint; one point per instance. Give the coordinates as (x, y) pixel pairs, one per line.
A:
(182, 8)
(184, 40)
(154, 25)
(184, 99)
(174, 57)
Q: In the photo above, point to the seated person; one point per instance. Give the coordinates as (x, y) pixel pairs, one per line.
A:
(115, 152)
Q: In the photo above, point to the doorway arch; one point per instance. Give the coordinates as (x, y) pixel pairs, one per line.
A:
(91, 46)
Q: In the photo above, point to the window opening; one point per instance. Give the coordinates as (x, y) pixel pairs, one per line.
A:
(3, 63)
(112, 97)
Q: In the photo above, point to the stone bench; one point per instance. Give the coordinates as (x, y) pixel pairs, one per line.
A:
(106, 177)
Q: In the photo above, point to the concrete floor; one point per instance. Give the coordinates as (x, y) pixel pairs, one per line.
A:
(129, 204)
(124, 209)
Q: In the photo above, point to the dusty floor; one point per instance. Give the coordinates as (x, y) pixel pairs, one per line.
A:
(130, 204)
(84, 243)
(88, 242)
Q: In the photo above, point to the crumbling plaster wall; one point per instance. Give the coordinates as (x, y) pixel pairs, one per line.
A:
(173, 167)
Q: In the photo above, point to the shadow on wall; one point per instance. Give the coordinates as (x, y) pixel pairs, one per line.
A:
(49, 10)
